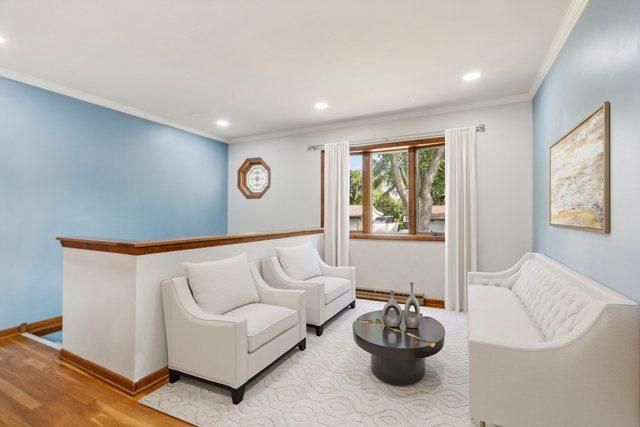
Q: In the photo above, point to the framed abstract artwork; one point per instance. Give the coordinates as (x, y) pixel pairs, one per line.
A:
(579, 175)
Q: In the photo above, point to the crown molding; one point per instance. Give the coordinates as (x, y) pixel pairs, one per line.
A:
(382, 118)
(568, 22)
(73, 93)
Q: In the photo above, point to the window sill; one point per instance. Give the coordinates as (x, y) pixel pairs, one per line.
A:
(423, 237)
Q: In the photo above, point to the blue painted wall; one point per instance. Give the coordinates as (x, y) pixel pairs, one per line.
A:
(70, 168)
(600, 61)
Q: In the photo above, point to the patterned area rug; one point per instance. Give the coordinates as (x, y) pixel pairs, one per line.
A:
(330, 383)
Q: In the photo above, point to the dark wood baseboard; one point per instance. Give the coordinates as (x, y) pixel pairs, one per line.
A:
(151, 380)
(41, 327)
(9, 332)
(115, 380)
(401, 297)
(434, 303)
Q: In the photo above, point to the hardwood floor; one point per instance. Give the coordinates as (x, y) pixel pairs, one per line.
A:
(37, 389)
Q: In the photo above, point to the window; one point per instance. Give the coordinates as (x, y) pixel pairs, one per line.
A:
(390, 192)
(355, 192)
(397, 191)
(430, 190)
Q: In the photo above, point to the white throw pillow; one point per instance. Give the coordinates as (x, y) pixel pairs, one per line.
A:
(222, 285)
(299, 262)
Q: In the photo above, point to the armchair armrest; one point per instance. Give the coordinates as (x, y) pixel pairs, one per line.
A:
(291, 298)
(348, 273)
(209, 346)
(275, 276)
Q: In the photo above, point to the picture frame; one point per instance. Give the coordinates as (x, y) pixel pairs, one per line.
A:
(254, 178)
(579, 175)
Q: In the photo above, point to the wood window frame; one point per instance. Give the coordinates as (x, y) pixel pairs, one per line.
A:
(366, 150)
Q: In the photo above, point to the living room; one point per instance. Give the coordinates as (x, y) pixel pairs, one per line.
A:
(336, 213)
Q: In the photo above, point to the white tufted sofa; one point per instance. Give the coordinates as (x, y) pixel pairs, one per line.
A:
(551, 347)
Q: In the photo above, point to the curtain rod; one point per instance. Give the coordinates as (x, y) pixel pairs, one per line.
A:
(398, 138)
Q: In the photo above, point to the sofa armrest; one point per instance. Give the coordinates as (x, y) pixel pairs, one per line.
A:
(491, 279)
(275, 276)
(590, 377)
(206, 345)
(291, 298)
(505, 278)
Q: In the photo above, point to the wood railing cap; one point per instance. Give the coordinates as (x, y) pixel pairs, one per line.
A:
(145, 247)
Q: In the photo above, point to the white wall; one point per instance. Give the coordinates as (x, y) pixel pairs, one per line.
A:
(504, 202)
(98, 308)
(112, 303)
(382, 264)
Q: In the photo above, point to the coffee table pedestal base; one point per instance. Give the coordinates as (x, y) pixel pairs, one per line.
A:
(396, 371)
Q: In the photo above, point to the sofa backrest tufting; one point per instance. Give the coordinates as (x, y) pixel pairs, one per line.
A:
(556, 306)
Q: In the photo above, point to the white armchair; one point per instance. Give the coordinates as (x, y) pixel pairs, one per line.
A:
(231, 348)
(327, 289)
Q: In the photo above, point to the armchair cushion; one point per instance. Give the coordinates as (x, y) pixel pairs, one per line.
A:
(496, 315)
(222, 285)
(333, 286)
(264, 322)
(299, 262)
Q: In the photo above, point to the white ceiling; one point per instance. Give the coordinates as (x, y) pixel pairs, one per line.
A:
(263, 64)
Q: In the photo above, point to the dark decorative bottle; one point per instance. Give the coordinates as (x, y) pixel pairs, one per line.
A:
(412, 319)
(392, 306)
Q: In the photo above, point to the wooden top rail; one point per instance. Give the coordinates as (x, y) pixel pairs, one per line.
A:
(145, 247)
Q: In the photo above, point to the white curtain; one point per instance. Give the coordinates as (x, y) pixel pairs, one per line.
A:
(461, 228)
(336, 204)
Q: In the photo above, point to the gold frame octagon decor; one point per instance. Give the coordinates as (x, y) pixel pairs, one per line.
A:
(254, 169)
(579, 175)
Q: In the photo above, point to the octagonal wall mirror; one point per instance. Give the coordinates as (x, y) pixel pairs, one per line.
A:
(254, 178)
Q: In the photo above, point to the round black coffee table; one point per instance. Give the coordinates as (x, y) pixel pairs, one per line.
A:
(396, 357)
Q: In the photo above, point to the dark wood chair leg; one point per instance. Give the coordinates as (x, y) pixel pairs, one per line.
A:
(302, 344)
(319, 330)
(173, 376)
(353, 304)
(237, 394)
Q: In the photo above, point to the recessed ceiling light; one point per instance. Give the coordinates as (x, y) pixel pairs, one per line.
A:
(321, 105)
(473, 75)
(222, 123)
(2, 40)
